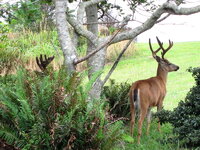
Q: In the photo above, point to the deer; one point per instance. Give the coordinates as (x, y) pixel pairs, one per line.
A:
(43, 63)
(148, 93)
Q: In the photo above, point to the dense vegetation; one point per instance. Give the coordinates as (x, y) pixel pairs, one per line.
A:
(185, 118)
(52, 112)
(117, 96)
(24, 48)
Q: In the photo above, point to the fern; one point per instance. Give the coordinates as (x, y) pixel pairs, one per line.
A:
(46, 112)
(8, 133)
(113, 135)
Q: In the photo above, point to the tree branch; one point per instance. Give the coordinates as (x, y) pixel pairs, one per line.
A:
(98, 49)
(82, 6)
(116, 62)
(172, 8)
(81, 30)
(78, 24)
(165, 17)
(167, 7)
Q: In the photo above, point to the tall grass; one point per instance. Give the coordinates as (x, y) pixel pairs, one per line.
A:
(30, 44)
(114, 50)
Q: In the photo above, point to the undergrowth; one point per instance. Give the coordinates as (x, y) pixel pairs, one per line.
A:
(51, 112)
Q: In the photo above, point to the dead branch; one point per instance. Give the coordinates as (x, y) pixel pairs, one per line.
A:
(116, 62)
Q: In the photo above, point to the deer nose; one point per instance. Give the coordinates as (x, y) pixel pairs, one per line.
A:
(177, 68)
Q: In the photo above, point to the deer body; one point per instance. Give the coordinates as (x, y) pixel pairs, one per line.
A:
(145, 94)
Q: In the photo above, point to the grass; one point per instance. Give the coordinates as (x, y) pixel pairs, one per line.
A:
(137, 64)
(142, 66)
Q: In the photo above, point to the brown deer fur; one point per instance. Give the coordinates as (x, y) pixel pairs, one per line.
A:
(145, 94)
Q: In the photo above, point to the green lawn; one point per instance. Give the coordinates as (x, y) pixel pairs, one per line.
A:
(142, 66)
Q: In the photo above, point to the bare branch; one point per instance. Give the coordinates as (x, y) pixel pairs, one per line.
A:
(172, 8)
(167, 7)
(82, 6)
(108, 41)
(116, 62)
(78, 24)
(98, 49)
(165, 17)
(101, 23)
(81, 30)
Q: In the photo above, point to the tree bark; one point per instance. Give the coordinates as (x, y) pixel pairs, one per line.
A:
(65, 40)
(97, 61)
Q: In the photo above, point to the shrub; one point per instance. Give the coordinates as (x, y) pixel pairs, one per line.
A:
(52, 112)
(185, 118)
(117, 96)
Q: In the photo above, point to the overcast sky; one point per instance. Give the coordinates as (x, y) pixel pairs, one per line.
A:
(176, 28)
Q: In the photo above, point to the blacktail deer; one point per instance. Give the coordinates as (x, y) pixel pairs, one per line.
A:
(145, 94)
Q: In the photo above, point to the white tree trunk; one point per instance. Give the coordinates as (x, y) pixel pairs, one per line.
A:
(97, 61)
(65, 40)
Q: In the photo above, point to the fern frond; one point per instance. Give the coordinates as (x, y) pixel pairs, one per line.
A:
(8, 133)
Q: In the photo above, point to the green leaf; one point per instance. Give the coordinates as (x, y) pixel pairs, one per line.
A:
(127, 138)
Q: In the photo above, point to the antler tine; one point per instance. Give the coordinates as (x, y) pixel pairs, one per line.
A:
(43, 63)
(167, 49)
(154, 52)
(38, 63)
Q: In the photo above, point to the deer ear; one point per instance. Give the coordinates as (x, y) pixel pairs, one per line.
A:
(158, 59)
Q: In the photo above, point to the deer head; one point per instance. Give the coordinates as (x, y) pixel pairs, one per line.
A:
(163, 62)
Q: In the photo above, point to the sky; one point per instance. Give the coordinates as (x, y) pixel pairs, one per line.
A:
(175, 28)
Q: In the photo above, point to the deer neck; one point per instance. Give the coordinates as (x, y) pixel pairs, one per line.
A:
(161, 73)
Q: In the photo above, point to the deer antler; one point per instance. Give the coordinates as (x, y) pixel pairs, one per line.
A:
(164, 50)
(43, 63)
(154, 52)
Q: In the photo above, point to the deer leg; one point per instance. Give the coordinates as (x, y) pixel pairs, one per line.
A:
(148, 120)
(132, 123)
(159, 107)
(140, 122)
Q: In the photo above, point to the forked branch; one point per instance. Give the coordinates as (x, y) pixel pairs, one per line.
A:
(99, 48)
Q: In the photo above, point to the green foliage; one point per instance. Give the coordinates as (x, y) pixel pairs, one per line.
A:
(24, 47)
(34, 15)
(185, 118)
(117, 96)
(23, 13)
(8, 58)
(51, 112)
(4, 29)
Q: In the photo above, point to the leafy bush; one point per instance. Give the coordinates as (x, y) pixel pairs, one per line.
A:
(52, 112)
(185, 118)
(117, 96)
